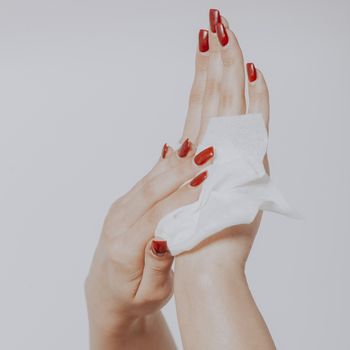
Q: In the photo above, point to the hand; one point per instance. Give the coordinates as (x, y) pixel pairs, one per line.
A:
(214, 305)
(219, 90)
(130, 276)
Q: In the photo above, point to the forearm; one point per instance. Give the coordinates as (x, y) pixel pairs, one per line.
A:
(149, 333)
(215, 307)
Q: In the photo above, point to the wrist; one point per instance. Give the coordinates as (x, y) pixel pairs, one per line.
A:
(104, 317)
(209, 276)
(223, 253)
(194, 264)
(116, 337)
(145, 331)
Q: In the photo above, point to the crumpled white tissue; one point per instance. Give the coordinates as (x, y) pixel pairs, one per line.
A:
(237, 186)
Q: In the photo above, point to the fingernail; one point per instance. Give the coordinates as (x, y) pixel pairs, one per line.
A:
(199, 179)
(203, 40)
(251, 72)
(222, 34)
(165, 150)
(159, 247)
(185, 148)
(214, 19)
(203, 156)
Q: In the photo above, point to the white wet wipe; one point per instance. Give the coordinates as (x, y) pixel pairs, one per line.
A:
(237, 186)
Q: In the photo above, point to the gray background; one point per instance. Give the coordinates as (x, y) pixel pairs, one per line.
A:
(90, 90)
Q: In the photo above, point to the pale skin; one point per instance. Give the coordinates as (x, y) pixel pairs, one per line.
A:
(128, 283)
(214, 305)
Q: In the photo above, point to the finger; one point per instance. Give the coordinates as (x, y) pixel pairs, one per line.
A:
(193, 119)
(232, 87)
(158, 168)
(144, 228)
(224, 21)
(187, 149)
(179, 170)
(214, 73)
(157, 280)
(258, 103)
(135, 239)
(258, 98)
(258, 93)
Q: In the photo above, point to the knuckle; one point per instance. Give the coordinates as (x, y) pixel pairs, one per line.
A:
(114, 248)
(183, 173)
(158, 295)
(108, 230)
(192, 170)
(211, 87)
(180, 171)
(118, 253)
(163, 293)
(229, 60)
(112, 223)
(157, 270)
(202, 63)
(227, 98)
(116, 209)
(149, 190)
(196, 97)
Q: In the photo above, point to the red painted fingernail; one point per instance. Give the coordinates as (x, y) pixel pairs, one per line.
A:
(165, 150)
(199, 179)
(203, 156)
(214, 19)
(251, 72)
(185, 148)
(222, 34)
(159, 247)
(203, 40)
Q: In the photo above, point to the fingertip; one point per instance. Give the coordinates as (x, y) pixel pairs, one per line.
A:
(222, 34)
(203, 41)
(159, 248)
(187, 149)
(256, 79)
(199, 179)
(167, 151)
(205, 157)
(214, 19)
(251, 72)
(258, 93)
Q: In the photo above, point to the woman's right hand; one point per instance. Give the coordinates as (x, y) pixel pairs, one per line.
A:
(131, 276)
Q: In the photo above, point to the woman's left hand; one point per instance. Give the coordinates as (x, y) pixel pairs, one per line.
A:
(130, 277)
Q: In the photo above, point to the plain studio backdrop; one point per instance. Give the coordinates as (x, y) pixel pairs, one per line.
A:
(90, 91)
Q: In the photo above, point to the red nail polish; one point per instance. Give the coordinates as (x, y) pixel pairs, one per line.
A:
(185, 148)
(165, 150)
(203, 40)
(203, 156)
(159, 247)
(251, 72)
(199, 179)
(222, 34)
(214, 19)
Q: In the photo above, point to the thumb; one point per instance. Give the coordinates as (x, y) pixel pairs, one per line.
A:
(157, 279)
